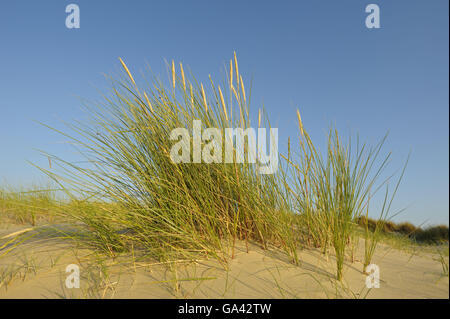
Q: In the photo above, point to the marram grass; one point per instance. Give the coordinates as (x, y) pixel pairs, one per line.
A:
(332, 190)
(128, 194)
(171, 210)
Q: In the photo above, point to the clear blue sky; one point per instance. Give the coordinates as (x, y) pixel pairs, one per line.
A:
(314, 55)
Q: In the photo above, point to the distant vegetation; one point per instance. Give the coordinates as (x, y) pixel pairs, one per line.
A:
(431, 234)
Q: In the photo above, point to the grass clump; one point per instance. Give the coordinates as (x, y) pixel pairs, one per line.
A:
(171, 210)
(332, 191)
(129, 194)
(28, 206)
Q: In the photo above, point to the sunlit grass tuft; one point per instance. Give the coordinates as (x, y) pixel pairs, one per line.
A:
(143, 199)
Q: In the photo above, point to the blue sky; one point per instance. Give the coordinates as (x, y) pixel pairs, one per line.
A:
(317, 56)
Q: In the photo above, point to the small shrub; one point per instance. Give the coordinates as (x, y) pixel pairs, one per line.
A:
(434, 234)
(390, 227)
(406, 229)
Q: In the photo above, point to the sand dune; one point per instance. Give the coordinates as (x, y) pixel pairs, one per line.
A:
(37, 269)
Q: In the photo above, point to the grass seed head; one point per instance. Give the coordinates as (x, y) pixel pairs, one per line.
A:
(231, 74)
(148, 102)
(173, 74)
(243, 90)
(128, 71)
(204, 98)
(182, 76)
(300, 124)
(237, 68)
(223, 104)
